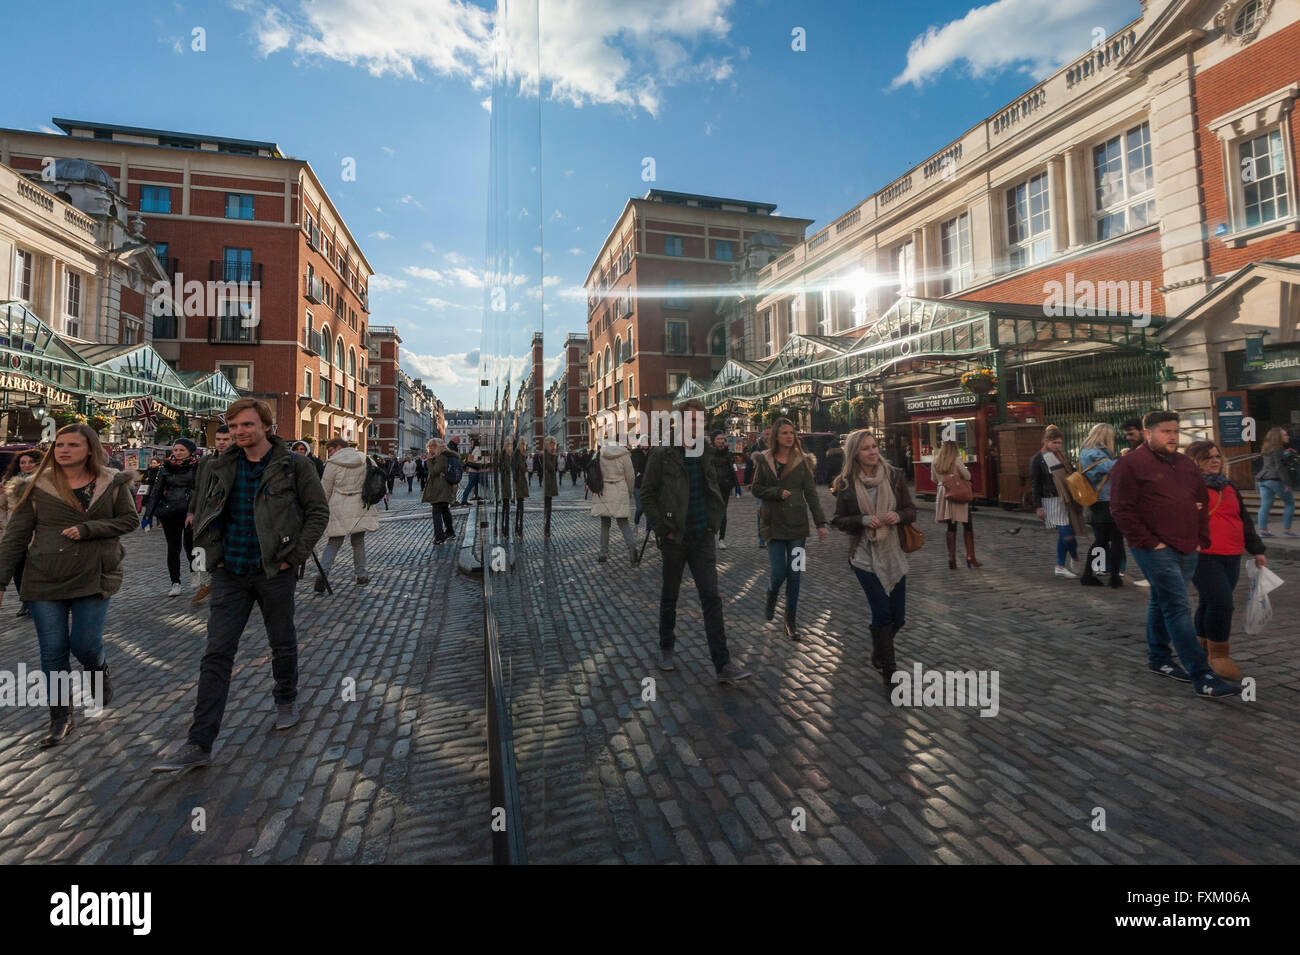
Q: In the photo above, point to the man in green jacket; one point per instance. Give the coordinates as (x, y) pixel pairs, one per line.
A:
(260, 511)
(682, 502)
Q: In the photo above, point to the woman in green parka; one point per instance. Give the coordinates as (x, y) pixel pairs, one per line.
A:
(783, 482)
(550, 478)
(68, 523)
(437, 491)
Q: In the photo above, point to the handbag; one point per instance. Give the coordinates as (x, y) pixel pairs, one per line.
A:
(957, 489)
(910, 538)
(1081, 489)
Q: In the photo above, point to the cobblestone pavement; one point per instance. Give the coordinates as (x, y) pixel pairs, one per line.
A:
(704, 773)
(398, 774)
(700, 773)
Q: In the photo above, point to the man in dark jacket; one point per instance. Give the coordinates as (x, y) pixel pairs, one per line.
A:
(259, 514)
(684, 506)
(1158, 499)
(727, 482)
(638, 456)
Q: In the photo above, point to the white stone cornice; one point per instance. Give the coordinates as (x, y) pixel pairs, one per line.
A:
(1260, 114)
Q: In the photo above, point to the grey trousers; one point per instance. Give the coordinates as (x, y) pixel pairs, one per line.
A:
(627, 536)
(358, 552)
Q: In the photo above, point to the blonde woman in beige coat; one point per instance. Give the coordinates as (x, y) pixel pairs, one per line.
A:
(345, 476)
(946, 464)
(614, 500)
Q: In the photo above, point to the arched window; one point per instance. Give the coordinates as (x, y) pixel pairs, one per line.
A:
(599, 366)
(608, 366)
(718, 340)
(338, 353)
(618, 350)
(325, 343)
(352, 361)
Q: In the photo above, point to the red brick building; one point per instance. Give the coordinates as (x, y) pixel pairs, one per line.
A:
(240, 211)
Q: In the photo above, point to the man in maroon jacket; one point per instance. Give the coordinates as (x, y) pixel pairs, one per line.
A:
(1159, 501)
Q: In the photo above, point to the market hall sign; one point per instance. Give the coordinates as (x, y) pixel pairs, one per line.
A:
(800, 389)
(943, 401)
(11, 382)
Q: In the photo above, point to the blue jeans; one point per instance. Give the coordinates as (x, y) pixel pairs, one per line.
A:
(780, 555)
(1169, 615)
(1270, 491)
(636, 494)
(1065, 544)
(886, 609)
(471, 484)
(1216, 578)
(68, 628)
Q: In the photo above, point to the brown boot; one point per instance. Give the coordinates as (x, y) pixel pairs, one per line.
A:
(202, 595)
(1221, 663)
(970, 550)
(952, 549)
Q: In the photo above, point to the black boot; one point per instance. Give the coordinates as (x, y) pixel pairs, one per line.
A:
(791, 630)
(1116, 581)
(60, 726)
(107, 685)
(888, 663)
(952, 549)
(770, 610)
(878, 638)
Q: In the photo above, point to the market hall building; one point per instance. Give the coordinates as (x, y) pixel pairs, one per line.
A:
(1121, 238)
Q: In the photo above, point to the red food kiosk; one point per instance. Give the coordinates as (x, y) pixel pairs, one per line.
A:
(971, 418)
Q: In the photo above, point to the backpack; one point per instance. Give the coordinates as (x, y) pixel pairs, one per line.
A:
(375, 485)
(594, 479)
(453, 469)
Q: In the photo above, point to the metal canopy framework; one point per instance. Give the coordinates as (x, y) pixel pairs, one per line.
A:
(919, 340)
(102, 374)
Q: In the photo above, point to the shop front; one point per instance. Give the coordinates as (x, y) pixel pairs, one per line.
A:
(968, 419)
(127, 393)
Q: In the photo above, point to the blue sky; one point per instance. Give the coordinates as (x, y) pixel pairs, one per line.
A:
(712, 89)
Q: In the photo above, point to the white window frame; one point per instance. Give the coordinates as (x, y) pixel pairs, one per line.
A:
(1128, 200)
(307, 382)
(73, 293)
(956, 256)
(1034, 247)
(1257, 118)
(905, 262)
(24, 275)
(246, 365)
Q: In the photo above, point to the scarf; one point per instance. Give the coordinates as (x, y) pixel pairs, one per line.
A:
(1216, 482)
(1060, 469)
(884, 553)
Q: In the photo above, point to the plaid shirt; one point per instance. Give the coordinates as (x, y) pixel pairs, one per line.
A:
(243, 552)
(697, 510)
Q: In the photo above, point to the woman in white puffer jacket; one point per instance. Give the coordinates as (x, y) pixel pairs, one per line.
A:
(345, 476)
(614, 501)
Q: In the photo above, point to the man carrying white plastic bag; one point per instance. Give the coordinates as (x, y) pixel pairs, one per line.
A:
(1258, 607)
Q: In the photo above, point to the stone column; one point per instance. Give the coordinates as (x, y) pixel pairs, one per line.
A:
(1056, 193)
(1076, 204)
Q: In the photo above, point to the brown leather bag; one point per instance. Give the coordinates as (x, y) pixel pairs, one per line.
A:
(910, 538)
(957, 489)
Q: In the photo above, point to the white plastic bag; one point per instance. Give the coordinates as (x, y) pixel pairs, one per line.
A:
(1258, 607)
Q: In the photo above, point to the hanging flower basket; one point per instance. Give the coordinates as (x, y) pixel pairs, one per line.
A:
(100, 423)
(841, 411)
(771, 414)
(980, 381)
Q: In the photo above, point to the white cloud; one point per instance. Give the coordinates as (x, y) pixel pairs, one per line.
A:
(486, 103)
(593, 51)
(409, 200)
(569, 172)
(389, 149)
(708, 129)
(458, 368)
(467, 277)
(575, 251)
(995, 37)
(557, 214)
(455, 258)
(385, 283)
(439, 304)
(550, 280)
(381, 235)
(431, 275)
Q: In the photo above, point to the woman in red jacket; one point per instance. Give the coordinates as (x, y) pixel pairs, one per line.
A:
(1219, 565)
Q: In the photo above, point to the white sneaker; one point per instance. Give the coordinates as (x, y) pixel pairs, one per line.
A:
(1064, 572)
(1141, 583)
(722, 545)
(175, 591)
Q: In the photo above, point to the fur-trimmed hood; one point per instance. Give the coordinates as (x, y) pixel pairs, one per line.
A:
(108, 478)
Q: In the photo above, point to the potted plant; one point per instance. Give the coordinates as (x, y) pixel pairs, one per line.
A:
(980, 381)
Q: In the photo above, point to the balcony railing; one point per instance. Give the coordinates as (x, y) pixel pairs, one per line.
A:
(311, 340)
(232, 330)
(165, 326)
(220, 270)
(313, 289)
